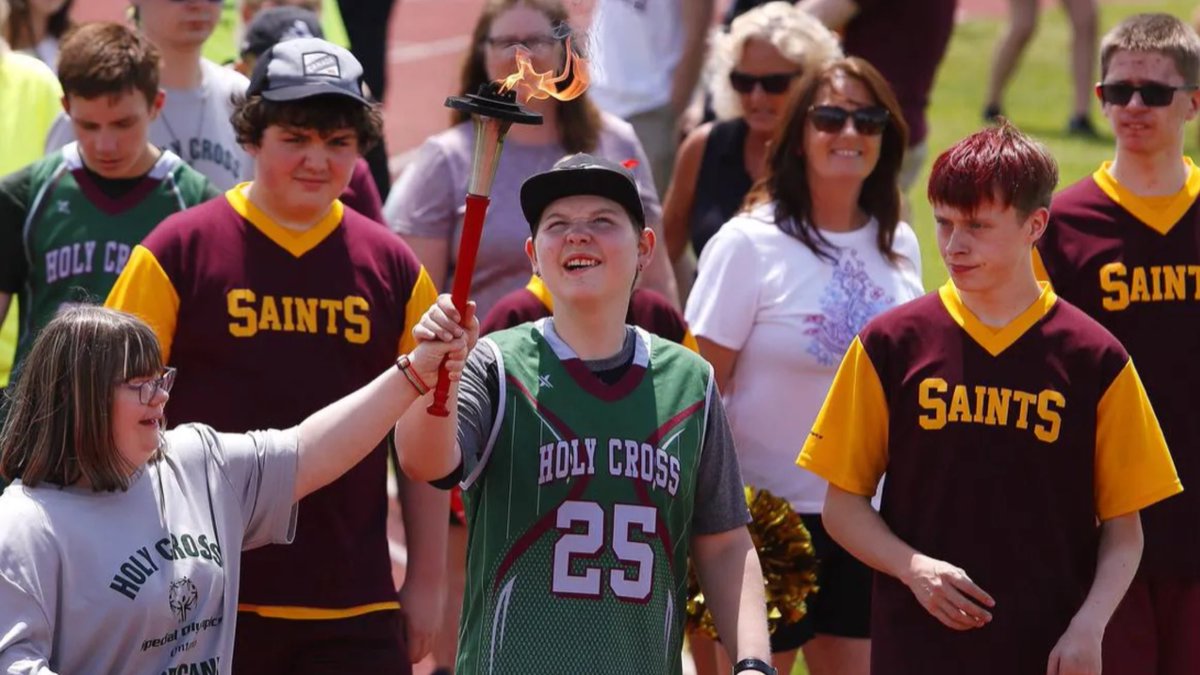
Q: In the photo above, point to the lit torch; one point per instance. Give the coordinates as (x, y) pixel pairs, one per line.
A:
(494, 109)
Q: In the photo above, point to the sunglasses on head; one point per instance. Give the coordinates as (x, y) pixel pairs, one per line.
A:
(1153, 94)
(776, 83)
(831, 119)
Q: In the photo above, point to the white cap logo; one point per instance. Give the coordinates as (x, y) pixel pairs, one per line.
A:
(321, 63)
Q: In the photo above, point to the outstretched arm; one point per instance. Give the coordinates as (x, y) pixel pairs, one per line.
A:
(428, 445)
(340, 435)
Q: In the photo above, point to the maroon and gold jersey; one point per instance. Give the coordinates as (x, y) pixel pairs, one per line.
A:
(1002, 449)
(267, 326)
(647, 310)
(1133, 264)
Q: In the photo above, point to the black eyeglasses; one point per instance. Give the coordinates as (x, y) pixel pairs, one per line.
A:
(532, 43)
(149, 389)
(776, 83)
(831, 119)
(1153, 94)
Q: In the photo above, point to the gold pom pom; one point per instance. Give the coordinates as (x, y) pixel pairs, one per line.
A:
(789, 564)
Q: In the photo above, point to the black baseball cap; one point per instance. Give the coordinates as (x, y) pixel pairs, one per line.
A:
(279, 24)
(306, 67)
(581, 174)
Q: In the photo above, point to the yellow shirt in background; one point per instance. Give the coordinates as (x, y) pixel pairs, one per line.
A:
(30, 99)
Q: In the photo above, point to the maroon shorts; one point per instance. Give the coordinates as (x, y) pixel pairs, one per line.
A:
(371, 643)
(1155, 630)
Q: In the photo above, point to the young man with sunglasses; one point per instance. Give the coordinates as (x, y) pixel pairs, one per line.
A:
(194, 121)
(1124, 245)
(1017, 440)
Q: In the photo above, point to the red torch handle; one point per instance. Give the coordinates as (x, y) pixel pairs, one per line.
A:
(468, 248)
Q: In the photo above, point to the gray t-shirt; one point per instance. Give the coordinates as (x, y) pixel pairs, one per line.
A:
(194, 124)
(145, 580)
(427, 199)
(720, 503)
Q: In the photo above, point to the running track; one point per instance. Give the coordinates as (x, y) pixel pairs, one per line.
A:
(429, 40)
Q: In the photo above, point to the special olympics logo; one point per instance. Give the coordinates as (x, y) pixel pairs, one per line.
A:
(183, 598)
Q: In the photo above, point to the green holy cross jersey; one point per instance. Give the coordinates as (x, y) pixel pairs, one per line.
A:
(580, 510)
(73, 239)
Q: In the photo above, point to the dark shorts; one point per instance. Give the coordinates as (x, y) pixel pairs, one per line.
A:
(841, 607)
(367, 644)
(1155, 630)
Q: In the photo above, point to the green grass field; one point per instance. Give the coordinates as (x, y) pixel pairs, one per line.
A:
(1038, 101)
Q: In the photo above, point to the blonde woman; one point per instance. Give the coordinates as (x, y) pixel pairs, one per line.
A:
(755, 65)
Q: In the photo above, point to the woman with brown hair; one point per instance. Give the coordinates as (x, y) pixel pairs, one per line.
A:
(120, 542)
(426, 203)
(823, 236)
(36, 27)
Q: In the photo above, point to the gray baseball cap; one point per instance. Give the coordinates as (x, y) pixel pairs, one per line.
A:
(306, 67)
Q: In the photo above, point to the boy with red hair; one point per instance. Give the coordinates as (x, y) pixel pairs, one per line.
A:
(1016, 437)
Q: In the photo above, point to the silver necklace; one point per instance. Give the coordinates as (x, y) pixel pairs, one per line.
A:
(186, 154)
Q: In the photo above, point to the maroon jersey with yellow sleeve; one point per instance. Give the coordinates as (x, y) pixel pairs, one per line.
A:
(1002, 448)
(647, 309)
(266, 326)
(1133, 264)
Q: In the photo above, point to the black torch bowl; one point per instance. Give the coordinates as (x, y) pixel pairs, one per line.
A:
(489, 102)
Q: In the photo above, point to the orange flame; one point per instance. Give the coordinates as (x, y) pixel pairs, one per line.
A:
(530, 84)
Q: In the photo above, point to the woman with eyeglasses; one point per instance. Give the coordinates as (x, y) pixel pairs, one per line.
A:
(120, 542)
(754, 66)
(426, 203)
(781, 292)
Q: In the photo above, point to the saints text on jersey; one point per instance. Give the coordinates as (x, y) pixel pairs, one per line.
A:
(1150, 283)
(250, 313)
(991, 406)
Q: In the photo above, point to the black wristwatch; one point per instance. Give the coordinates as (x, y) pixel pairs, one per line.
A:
(756, 665)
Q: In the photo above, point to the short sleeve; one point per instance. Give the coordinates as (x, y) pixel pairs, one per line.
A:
(145, 289)
(424, 200)
(61, 132)
(848, 443)
(420, 299)
(260, 468)
(723, 304)
(1133, 466)
(478, 399)
(29, 566)
(720, 500)
(14, 206)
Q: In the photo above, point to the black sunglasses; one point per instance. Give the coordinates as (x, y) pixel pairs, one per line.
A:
(776, 83)
(1153, 94)
(831, 119)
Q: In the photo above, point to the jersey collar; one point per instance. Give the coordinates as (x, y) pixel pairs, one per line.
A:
(996, 340)
(1162, 219)
(539, 290)
(296, 243)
